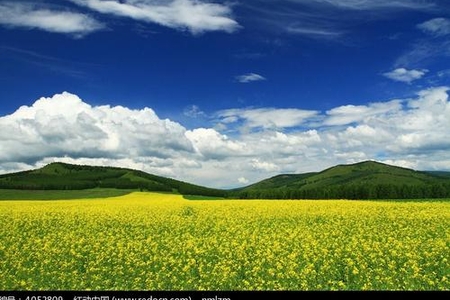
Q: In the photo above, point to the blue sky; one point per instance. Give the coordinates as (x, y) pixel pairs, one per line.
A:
(224, 93)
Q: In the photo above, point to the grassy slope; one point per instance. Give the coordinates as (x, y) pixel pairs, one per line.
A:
(373, 172)
(368, 172)
(65, 181)
(60, 176)
(7, 194)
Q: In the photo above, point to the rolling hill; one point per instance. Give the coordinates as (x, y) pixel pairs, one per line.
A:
(61, 176)
(364, 180)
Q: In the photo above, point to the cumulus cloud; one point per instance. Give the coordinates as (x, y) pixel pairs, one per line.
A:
(64, 125)
(266, 166)
(356, 139)
(436, 27)
(405, 75)
(193, 15)
(409, 132)
(32, 16)
(210, 144)
(250, 77)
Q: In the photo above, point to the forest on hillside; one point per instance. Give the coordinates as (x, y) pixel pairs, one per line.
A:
(367, 180)
(366, 191)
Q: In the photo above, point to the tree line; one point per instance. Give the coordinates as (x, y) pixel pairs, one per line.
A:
(366, 191)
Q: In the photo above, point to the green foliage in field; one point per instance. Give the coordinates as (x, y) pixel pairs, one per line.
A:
(366, 180)
(145, 241)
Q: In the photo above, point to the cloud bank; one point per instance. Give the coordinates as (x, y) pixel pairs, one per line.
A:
(407, 132)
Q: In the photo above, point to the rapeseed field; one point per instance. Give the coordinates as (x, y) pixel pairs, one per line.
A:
(150, 241)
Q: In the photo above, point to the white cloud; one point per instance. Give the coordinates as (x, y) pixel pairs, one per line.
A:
(43, 62)
(404, 75)
(436, 27)
(358, 139)
(250, 77)
(424, 125)
(64, 125)
(28, 15)
(259, 165)
(193, 111)
(315, 32)
(378, 4)
(351, 157)
(210, 144)
(424, 52)
(267, 117)
(407, 132)
(443, 73)
(349, 114)
(193, 15)
(327, 20)
(243, 180)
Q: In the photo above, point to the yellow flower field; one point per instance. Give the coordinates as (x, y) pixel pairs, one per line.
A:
(149, 241)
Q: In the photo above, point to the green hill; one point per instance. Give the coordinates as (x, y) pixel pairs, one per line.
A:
(61, 176)
(364, 180)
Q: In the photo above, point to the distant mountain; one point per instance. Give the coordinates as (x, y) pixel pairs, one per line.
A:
(364, 180)
(441, 174)
(61, 176)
